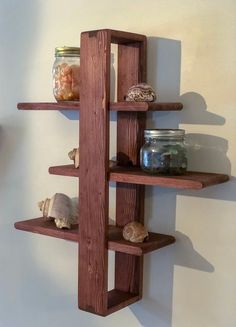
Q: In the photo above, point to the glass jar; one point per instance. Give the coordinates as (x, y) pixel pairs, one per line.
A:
(66, 74)
(164, 152)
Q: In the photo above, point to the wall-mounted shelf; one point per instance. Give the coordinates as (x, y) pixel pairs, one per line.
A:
(113, 106)
(115, 239)
(94, 235)
(190, 180)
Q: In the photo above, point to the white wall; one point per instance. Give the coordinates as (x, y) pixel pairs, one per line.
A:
(192, 58)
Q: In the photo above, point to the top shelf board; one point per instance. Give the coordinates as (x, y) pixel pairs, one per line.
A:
(119, 37)
(114, 106)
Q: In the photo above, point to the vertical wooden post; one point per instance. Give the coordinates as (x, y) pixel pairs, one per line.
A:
(129, 197)
(93, 182)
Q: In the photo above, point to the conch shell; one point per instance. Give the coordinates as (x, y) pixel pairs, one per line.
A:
(74, 155)
(141, 92)
(60, 208)
(135, 232)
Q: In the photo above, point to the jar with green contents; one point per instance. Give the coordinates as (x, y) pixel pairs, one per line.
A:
(164, 152)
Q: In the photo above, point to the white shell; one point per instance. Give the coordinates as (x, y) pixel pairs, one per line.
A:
(141, 92)
(60, 208)
(135, 232)
(74, 155)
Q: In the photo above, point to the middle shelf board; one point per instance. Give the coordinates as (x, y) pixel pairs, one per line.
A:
(114, 106)
(190, 180)
(115, 239)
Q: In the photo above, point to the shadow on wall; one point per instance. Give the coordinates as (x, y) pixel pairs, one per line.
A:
(205, 153)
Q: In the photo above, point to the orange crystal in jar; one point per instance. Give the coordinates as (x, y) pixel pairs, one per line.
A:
(66, 75)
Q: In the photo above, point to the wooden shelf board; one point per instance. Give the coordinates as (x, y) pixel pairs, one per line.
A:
(118, 299)
(114, 106)
(64, 170)
(120, 37)
(48, 228)
(190, 180)
(115, 243)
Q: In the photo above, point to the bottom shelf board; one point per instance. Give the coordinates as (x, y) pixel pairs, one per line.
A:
(115, 242)
(118, 299)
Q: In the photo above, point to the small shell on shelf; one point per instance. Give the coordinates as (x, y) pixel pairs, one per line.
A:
(74, 155)
(43, 206)
(135, 232)
(113, 163)
(141, 92)
(60, 208)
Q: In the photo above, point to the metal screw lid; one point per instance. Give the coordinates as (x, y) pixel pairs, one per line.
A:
(164, 133)
(67, 52)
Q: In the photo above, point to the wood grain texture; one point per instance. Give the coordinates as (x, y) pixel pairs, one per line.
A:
(93, 184)
(130, 128)
(118, 300)
(62, 105)
(115, 238)
(120, 37)
(154, 242)
(190, 180)
(113, 106)
(47, 228)
(64, 170)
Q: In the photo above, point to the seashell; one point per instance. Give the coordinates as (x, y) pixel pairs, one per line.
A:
(113, 163)
(135, 232)
(74, 155)
(43, 206)
(141, 92)
(60, 208)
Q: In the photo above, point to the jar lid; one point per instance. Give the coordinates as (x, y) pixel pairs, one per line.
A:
(67, 52)
(164, 133)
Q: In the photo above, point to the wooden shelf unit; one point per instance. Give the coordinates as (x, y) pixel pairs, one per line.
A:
(94, 235)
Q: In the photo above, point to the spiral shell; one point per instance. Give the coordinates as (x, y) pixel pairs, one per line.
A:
(60, 208)
(135, 232)
(141, 92)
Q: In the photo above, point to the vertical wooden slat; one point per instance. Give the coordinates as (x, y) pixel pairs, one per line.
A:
(93, 185)
(129, 197)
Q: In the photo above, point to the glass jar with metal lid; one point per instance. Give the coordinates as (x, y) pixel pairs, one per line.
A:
(164, 152)
(66, 74)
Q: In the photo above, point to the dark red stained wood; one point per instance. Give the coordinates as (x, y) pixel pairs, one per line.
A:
(62, 105)
(118, 300)
(48, 228)
(119, 37)
(64, 170)
(130, 127)
(190, 180)
(115, 243)
(93, 183)
(113, 106)
(155, 242)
